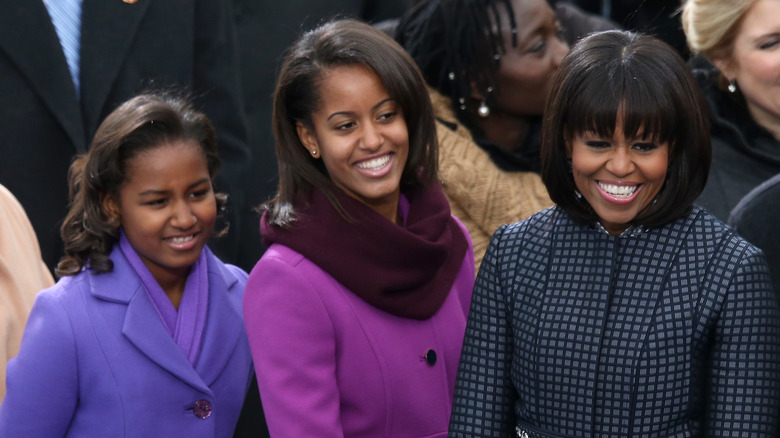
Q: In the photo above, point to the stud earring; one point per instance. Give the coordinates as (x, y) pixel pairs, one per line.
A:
(732, 86)
(314, 153)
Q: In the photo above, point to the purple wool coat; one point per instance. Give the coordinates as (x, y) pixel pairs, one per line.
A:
(96, 361)
(330, 365)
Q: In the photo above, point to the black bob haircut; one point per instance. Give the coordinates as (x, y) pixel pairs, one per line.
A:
(645, 83)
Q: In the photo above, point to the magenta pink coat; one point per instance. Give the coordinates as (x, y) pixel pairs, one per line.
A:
(330, 365)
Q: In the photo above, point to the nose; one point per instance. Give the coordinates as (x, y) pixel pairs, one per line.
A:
(372, 137)
(182, 216)
(620, 163)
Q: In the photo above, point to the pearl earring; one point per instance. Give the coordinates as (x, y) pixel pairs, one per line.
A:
(732, 86)
(484, 110)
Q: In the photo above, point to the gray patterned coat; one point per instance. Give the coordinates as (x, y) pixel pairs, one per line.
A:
(666, 332)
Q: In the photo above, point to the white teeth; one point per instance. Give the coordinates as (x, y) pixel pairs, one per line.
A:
(620, 191)
(375, 164)
(182, 239)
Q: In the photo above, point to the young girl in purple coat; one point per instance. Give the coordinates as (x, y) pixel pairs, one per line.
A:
(142, 335)
(356, 311)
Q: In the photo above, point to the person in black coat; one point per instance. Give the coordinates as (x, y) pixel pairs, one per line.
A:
(624, 310)
(125, 47)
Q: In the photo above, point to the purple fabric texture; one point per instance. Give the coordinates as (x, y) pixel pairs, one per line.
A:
(355, 371)
(185, 325)
(97, 361)
(404, 270)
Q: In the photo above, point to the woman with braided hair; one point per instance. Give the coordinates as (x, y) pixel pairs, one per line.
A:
(490, 65)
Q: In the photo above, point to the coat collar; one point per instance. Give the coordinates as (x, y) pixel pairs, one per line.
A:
(28, 37)
(143, 328)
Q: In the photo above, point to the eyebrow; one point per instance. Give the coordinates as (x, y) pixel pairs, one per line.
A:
(153, 192)
(759, 38)
(536, 28)
(345, 113)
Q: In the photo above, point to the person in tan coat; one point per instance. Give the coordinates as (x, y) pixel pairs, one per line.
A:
(491, 63)
(22, 275)
(481, 195)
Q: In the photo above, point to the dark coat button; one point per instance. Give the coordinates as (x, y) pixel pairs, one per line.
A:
(430, 357)
(202, 409)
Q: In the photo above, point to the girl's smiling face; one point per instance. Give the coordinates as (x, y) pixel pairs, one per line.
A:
(618, 176)
(360, 133)
(166, 207)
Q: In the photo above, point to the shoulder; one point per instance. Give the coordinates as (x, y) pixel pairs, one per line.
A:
(69, 287)
(10, 205)
(281, 255)
(539, 225)
(283, 269)
(708, 234)
(288, 288)
(231, 275)
(526, 239)
(60, 310)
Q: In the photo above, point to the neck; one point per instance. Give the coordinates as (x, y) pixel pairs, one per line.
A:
(766, 119)
(387, 207)
(389, 212)
(173, 286)
(505, 130)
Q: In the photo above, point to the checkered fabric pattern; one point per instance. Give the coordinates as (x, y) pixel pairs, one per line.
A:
(670, 332)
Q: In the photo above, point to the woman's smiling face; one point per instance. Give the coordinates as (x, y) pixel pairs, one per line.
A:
(618, 176)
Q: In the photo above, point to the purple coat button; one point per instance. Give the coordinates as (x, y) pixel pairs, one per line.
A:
(202, 409)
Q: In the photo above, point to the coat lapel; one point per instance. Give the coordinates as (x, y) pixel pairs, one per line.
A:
(108, 30)
(224, 324)
(28, 37)
(142, 325)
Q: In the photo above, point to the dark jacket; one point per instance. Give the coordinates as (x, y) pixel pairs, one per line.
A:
(573, 332)
(126, 47)
(743, 154)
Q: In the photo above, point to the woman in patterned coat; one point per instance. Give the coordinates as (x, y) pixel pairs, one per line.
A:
(623, 311)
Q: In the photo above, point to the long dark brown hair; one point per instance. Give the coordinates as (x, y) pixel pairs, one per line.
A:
(339, 43)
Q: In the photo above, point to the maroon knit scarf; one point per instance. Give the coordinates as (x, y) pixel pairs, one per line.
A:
(406, 271)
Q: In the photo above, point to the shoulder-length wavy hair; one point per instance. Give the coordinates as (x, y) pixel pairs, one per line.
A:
(338, 43)
(645, 83)
(142, 123)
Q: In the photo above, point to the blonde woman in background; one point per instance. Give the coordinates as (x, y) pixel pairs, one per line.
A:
(741, 40)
